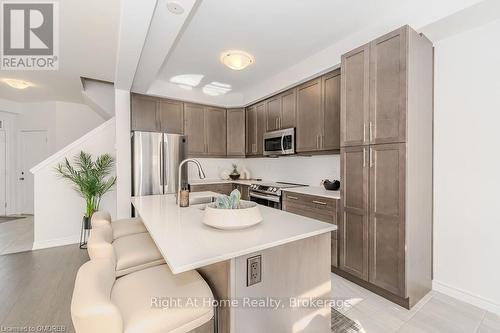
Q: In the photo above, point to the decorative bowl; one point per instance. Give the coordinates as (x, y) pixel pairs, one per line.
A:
(230, 219)
(331, 186)
(234, 176)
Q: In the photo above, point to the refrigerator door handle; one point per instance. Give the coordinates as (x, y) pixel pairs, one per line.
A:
(161, 164)
(166, 164)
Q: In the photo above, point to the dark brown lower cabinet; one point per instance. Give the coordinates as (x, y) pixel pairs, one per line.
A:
(374, 241)
(353, 228)
(387, 217)
(316, 207)
(223, 188)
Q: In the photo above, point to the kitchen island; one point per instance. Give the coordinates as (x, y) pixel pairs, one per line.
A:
(295, 263)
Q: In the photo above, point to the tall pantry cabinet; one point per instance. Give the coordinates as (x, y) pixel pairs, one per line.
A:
(385, 227)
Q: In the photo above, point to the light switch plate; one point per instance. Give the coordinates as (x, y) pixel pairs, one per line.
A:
(254, 270)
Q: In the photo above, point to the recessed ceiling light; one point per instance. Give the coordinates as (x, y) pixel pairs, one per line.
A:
(175, 8)
(236, 59)
(18, 84)
(187, 81)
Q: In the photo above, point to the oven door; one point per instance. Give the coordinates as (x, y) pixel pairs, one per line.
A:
(279, 142)
(265, 200)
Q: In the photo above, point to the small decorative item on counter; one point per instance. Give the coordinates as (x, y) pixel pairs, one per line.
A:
(331, 185)
(230, 212)
(224, 175)
(245, 174)
(184, 198)
(235, 174)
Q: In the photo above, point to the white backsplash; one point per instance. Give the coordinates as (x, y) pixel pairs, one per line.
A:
(307, 170)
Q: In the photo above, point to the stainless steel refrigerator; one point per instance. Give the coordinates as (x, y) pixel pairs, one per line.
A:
(155, 162)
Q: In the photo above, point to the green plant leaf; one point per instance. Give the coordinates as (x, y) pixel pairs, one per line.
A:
(90, 179)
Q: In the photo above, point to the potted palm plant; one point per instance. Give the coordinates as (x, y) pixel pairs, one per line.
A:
(91, 179)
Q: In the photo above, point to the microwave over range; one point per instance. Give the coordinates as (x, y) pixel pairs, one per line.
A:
(280, 142)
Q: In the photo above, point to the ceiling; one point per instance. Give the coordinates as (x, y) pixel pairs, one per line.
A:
(280, 34)
(88, 37)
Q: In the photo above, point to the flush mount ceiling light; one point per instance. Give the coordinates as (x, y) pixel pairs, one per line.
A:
(236, 59)
(175, 8)
(216, 88)
(187, 81)
(18, 84)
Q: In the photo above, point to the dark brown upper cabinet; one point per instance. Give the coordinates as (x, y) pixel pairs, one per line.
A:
(144, 114)
(157, 114)
(318, 114)
(251, 130)
(215, 122)
(309, 116)
(171, 116)
(195, 129)
(288, 108)
(388, 84)
(205, 128)
(236, 132)
(280, 111)
(273, 113)
(374, 94)
(260, 110)
(355, 97)
(331, 111)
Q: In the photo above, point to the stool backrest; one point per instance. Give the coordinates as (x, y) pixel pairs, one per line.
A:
(100, 218)
(91, 307)
(99, 245)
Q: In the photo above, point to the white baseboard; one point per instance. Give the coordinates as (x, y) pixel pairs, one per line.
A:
(466, 296)
(44, 244)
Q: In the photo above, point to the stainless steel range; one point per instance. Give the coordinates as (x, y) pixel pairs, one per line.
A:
(269, 194)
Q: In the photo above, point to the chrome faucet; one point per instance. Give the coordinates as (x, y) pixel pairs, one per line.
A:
(200, 173)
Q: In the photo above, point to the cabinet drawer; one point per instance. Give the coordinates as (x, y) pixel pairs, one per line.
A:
(311, 200)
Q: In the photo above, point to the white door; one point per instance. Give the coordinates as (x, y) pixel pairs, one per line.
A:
(3, 174)
(33, 150)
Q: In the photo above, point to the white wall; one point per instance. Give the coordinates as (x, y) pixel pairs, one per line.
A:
(123, 153)
(467, 166)
(64, 123)
(308, 170)
(58, 208)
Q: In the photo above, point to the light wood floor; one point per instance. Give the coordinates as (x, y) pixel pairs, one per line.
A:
(36, 286)
(435, 313)
(16, 236)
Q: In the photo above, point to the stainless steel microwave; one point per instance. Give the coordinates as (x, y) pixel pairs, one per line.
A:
(280, 142)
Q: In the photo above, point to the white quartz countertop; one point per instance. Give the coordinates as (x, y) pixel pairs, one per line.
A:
(314, 190)
(186, 243)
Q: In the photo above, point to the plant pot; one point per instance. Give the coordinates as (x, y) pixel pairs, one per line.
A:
(234, 176)
(86, 223)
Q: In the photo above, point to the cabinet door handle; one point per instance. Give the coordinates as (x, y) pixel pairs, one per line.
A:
(319, 202)
(279, 123)
(371, 158)
(364, 132)
(371, 130)
(292, 197)
(364, 158)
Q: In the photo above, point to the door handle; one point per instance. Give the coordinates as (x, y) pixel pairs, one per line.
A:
(291, 197)
(282, 143)
(319, 202)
